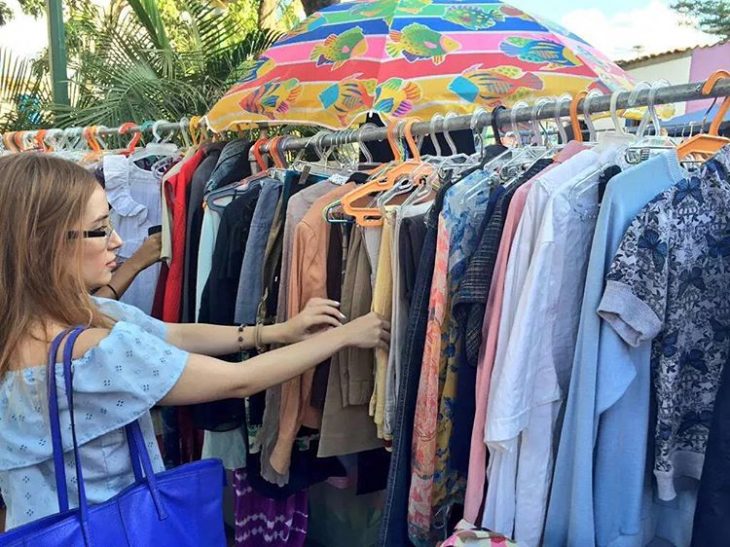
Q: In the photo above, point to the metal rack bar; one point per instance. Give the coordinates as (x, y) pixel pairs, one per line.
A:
(602, 103)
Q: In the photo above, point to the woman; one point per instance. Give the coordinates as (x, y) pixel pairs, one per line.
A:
(56, 247)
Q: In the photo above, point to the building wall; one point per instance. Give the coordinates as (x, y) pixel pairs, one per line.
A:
(705, 61)
(674, 69)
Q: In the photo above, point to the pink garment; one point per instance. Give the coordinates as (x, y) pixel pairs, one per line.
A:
(425, 420)
(490, 331)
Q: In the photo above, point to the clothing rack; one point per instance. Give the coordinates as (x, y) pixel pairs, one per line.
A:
(549, 109)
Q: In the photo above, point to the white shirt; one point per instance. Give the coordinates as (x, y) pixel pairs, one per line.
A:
(524, 378)
(135, 198)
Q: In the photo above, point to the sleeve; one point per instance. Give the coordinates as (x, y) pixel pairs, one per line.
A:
(635, 298)
(119, 311)
(121, 379)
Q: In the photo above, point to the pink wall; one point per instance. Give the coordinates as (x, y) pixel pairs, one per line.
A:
(704, 62)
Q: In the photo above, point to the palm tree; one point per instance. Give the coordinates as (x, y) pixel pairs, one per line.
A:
(131, 62)
(129, 70)
(24, 90)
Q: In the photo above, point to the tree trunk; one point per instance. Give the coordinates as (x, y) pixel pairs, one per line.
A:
(310, 6)
(267, 13)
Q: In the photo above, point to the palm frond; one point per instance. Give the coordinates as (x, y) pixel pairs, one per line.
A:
(23, 92)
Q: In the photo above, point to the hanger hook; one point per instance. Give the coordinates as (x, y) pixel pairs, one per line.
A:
(433, 133)
(447, 134)
(156, 132)
(361, 143)
(559, 102)
(651, 114)
(617, 125)
(513, 118)
(539, 105)
(593, 93)
(477, 131)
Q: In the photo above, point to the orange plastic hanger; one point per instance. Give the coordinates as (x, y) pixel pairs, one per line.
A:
(574, 121)
(274, 152)
(258, 156)
(707, 144)
(372, 216)
(126, 128)
(40, 142)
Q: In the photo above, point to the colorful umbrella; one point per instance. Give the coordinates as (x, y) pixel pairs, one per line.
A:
(411, 58)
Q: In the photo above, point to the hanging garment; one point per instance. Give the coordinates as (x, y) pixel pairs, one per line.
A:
(668, 283)
(478, 454)
(601, 457)
(504, 422)
(403, 264)
(166, 234)
(347, 427)
(260, 521)
(134, 196)
(297, 207)
(208, 235)
(233, 165)
(470, 296)
(217, 305)
(394, 529)
(449, 482)
(307, 280)
(711, 523)
(251, 279)
(193, 228)
(383, 306)
(177, 187)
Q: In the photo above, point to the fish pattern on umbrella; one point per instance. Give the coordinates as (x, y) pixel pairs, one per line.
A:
(338, 49)
(417, 58)
(417, 42)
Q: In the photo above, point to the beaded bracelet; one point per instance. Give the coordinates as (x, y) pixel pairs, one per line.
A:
(240, 338)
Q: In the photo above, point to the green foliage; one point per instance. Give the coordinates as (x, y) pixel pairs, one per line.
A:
(713, 15)
(24, 90)
(136, 60)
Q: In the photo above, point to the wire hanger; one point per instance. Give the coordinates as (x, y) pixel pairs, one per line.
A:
(707, 144)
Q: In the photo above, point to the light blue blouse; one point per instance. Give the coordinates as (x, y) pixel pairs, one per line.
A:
(115, 383)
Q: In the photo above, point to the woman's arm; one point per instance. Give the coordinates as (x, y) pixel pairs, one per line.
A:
(124, 275)
(208, 379)
(222, 340)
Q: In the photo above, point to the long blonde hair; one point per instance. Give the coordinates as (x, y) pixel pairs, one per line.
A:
(42, 199)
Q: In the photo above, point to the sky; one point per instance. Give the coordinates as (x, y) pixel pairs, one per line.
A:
(621, 29)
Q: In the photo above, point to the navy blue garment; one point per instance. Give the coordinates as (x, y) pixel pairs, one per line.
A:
(712, 514)
(218, 301)
(233, 165)
(394, 527)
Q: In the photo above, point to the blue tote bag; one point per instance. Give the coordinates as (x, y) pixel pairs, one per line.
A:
(181, 507)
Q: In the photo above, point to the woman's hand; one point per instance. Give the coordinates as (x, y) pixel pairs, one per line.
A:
(368, 331)
(149, 252)
(319, 314)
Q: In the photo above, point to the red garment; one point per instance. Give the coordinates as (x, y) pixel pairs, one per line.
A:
(176, 188)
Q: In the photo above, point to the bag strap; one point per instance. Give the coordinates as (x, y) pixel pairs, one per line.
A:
(139, 457)
(59, 468)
